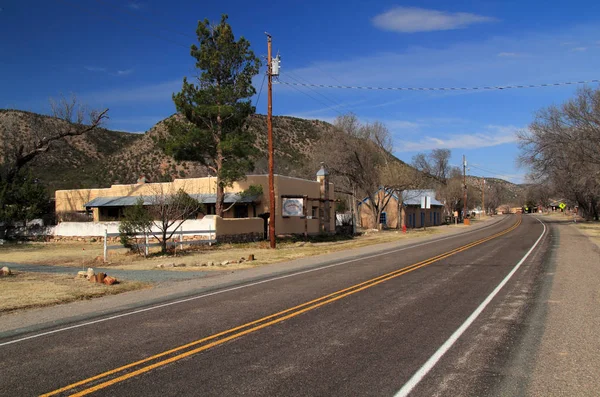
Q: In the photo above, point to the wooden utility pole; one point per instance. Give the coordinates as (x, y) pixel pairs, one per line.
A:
(270, 137)
(483, 197)
(465, 188)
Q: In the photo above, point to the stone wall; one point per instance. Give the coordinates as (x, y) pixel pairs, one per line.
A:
(240, 238)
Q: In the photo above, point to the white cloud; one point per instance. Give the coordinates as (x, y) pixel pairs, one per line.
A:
(508, 54)
(402, 125)
(579, 49)
(140, 94)
(124, 72)
(134, 5)
(94, 69)
(492, 135)
(414, 19)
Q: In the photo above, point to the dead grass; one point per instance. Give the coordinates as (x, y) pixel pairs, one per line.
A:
(85, 254)
(590, 229)
(25, 290)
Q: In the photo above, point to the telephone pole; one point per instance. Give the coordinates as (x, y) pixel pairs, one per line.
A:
(483, 197)
(270, 138)
(465, 188)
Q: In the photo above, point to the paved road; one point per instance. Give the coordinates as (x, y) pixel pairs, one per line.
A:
(364, 327)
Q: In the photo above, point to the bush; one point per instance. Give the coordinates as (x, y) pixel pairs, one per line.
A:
(136, 221)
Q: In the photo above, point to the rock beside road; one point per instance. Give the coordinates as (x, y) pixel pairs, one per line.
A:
(5, 271)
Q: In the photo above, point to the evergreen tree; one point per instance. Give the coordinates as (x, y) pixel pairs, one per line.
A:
(213, 131)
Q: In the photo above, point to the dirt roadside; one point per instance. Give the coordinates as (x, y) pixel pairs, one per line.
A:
(36, 319)
(568, 357)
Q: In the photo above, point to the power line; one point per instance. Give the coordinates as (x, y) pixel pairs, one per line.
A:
(503, 175)
(482, 88)
(336, 103)
(261, 88)
(315, 99)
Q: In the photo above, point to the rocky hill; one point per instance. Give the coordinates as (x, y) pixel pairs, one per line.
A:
(104, 157)
(508, 192)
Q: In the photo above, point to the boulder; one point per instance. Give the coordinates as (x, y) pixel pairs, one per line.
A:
(90, 273)
(98, 278)
(224, 263)
(109, 280)
(82, 274)
(5, 271)
(251, 257)
(211, 263)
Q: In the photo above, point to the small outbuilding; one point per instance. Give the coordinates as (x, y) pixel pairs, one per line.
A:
(403, 212)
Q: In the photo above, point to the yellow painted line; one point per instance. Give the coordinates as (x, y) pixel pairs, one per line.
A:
(305, 307)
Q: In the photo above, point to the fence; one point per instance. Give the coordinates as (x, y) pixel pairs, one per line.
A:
(180, 233)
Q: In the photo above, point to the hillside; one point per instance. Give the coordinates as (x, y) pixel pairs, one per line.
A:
(104, 157)
(508, 192)
(71, 162)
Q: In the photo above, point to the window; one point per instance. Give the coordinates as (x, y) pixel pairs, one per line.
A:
(240, 211)
(383, 218)
(315, 211)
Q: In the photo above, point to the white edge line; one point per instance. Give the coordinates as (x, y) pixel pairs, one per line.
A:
(227, 290)
(429, 364)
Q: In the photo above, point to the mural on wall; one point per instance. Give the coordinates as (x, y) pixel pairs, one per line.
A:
(292, 207)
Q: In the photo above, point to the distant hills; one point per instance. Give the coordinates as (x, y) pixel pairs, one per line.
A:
(104, 157)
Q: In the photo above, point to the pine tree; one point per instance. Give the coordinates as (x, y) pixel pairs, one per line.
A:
(213, 130)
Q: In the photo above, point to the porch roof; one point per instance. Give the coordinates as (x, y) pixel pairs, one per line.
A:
(129, 201)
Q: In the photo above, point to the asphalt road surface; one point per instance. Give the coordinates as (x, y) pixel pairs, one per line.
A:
(441, 318)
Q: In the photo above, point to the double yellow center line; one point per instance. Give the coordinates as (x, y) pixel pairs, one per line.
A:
(114, 376)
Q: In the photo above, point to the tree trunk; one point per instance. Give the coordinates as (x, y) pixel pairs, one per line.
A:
(220, 205)
(219, 164)
(163, 243)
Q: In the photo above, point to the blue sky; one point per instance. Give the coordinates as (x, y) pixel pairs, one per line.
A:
(130, 56)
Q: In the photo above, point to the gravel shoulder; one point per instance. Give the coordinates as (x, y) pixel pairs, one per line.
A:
(568, 357)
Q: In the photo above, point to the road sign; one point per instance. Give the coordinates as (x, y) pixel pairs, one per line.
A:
(562, 206)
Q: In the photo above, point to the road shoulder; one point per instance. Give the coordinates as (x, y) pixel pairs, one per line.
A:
(568, 356)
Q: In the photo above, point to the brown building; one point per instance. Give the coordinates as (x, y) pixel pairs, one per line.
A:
(302, 206)
(407, 211)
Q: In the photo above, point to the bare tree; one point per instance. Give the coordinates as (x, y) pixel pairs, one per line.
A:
(364, 167)
(23, 140)
(169, 210)
(562, 148)
(435, 165)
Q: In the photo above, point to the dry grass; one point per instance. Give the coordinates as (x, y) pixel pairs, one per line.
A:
(590, 229)
(27, 290)
(85, 254)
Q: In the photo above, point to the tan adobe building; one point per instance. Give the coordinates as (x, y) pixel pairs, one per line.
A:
(406, 212)
(302, 206)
